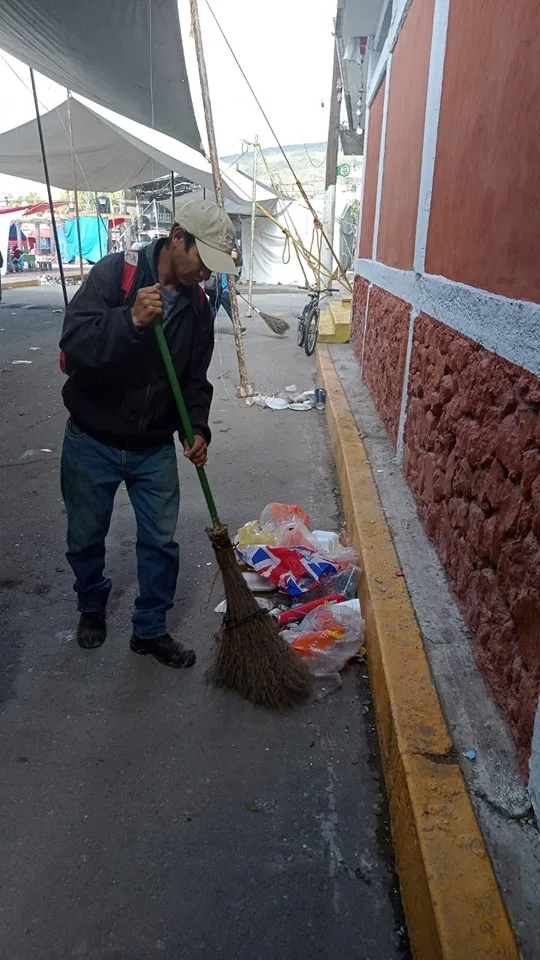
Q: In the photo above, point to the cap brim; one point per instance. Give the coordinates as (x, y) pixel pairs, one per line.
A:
(216, 260)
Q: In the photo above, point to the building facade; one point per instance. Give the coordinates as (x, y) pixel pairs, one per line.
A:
(446, 310)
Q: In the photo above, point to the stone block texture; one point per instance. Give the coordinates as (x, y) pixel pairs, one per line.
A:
(358, 317)
(472, 458)
(385, 351)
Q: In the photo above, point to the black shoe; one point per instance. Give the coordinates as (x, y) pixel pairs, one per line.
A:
(168, 651)
(92, 630)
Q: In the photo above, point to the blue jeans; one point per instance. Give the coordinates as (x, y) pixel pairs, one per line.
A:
(91, 473)
(224, 301)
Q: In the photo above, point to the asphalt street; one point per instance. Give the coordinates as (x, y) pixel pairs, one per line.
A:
(143, 814)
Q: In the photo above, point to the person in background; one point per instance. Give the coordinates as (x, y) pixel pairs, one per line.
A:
(1, 268)
(17, 260)
(217, 291)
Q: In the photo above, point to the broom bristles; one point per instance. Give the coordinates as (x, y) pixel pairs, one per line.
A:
(251, 657)
(277, 324)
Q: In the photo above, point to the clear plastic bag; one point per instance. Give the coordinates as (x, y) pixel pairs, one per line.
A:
(328, 637)
(346, 581)
(276, 513)
(295, 534)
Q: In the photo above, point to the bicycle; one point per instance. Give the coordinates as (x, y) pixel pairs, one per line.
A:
(308, 321)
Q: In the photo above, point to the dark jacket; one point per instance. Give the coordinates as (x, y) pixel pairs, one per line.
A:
(117, 388)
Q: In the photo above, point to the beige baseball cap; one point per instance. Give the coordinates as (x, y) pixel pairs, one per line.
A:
(213, 230)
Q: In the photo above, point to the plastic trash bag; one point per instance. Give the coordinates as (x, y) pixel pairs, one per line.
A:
(252, 533)
(294, 534)
(276, 513)
(346, 581)
(293, 570)
(328, 637)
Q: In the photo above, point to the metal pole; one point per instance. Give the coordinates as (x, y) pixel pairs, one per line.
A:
(253, 209)
(156, 218)
(331, 167)
(49, 191)
(98, 214)
(75, 191)
(245, 388)
(173, 197)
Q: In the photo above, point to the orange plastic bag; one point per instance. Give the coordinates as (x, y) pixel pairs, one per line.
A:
(315, 641)
(328, 637)
(276, 513)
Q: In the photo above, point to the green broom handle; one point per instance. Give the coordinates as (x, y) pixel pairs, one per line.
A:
(184, 416)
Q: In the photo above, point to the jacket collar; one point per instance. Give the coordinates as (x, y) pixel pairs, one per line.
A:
(152, 252)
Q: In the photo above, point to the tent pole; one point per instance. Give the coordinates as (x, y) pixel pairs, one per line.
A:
(173, 197)
(253, 208)
(49, 191)
(98, 214)
(244, 389)
(75, 191)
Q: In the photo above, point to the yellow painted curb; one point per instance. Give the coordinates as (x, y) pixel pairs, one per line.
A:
(452, 902)
(15, 284)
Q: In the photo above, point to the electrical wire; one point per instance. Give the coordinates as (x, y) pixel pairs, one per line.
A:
(312, 162)
(317, 220)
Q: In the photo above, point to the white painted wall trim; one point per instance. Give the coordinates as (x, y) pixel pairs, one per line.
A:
(508, 327)
(534, 765)
(366, 318)
(382, 151)
(400, 443)
(401, 8)
(431, 127)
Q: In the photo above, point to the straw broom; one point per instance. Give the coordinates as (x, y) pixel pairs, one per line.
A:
(276, 324)
(251, 657)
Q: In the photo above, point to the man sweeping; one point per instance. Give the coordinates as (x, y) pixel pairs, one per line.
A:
(122, 415)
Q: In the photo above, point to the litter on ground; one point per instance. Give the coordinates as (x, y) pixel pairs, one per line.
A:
(313, 580)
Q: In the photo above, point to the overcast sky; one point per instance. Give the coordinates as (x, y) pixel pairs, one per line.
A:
(287, 56)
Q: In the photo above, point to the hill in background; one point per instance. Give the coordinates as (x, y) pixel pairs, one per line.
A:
(307, 160)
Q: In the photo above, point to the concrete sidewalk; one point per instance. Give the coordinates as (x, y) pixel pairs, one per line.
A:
(445, 810)
(145, 815)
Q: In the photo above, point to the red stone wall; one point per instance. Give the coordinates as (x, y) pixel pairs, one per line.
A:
(472, 457)
(360, 293)
(487, 169)
(404, 138)
(385, 349)
(371, 173)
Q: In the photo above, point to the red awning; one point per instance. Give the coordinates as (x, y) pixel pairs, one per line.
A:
(35, 208)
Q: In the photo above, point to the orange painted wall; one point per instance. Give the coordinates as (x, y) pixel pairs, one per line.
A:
(371, 173)
(404, 138)
(485, 213)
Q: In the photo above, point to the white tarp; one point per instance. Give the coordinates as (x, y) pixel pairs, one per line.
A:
(113, 153)
(275, 260)
(124, 54)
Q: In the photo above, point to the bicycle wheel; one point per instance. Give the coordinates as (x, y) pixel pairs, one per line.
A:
(302, 326)
(312, 330)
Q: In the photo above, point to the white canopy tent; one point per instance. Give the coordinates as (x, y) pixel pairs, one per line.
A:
(125, 54)
(114, 153)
